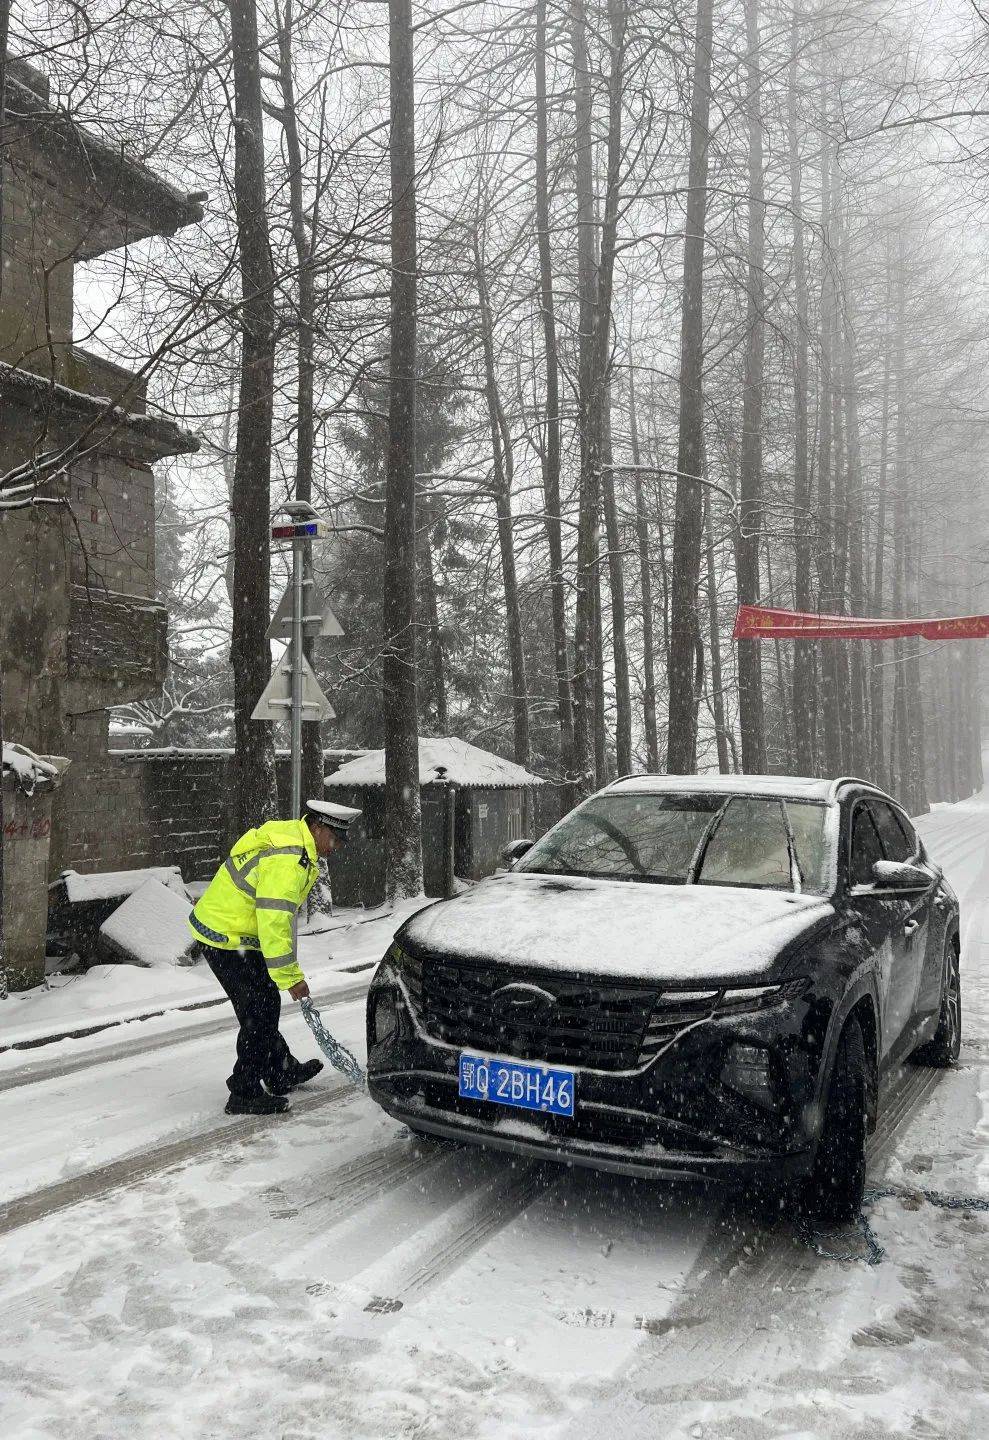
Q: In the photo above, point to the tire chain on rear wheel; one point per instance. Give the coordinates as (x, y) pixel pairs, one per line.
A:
(875, 1254)
(338, 1055)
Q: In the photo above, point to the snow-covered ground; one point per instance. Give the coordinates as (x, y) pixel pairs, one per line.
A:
(167, 1271)
(334, 950)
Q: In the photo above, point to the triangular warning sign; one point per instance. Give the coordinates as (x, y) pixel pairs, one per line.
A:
(321, 623)
(276, 701)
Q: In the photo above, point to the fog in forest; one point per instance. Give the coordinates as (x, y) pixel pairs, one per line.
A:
(700, 319)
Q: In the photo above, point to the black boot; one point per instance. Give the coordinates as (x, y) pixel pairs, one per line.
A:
(305, 1070)
(256, 1105)
(299, 1073)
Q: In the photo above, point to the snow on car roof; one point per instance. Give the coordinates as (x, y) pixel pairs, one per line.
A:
(801, 787)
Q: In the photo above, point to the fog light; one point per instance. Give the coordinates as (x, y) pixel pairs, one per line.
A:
(385, 1016)
(747, 1070)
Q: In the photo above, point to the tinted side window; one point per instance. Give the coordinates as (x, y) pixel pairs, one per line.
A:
(866, 849)
(897, 844)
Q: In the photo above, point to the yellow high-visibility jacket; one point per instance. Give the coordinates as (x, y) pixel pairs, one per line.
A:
(253, 898)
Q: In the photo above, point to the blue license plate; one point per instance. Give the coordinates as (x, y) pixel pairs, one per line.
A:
(549, 1088)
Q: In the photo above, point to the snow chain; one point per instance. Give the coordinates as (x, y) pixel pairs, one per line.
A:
(338, 1055)
(875, 1253)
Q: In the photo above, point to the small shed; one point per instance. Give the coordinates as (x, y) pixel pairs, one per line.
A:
(493, 804)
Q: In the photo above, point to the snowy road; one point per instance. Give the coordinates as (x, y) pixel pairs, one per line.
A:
(166, 1271)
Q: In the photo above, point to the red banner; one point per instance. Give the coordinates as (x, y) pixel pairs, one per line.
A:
(760, 622)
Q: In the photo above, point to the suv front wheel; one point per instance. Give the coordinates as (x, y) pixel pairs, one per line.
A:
(943, 1050)
(836, 1183)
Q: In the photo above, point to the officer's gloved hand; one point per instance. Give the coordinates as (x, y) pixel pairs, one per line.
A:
(300, 991)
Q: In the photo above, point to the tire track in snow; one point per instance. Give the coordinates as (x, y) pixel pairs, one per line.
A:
(126, 1049)
(410, 1269)
(131, 1170)
(750, 1289)
(353, 1185)
(748, 1282)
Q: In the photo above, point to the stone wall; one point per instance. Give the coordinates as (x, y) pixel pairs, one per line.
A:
(26, 833)
(38, 238)
(119, 810)
(113, 502)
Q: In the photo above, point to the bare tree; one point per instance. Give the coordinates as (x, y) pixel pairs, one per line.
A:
(254, 772)
(681, 754)
(403, 827)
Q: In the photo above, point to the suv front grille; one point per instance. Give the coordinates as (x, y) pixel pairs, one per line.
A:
(589, 1022)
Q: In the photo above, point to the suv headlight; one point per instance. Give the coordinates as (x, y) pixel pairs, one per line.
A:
(743, 999)
(406, 969)
(728, 999)
(384, 1016)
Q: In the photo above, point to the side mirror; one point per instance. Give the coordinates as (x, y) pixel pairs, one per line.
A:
(515, 850)
(901, 875)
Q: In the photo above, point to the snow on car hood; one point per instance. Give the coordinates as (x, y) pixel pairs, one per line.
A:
(676, 932)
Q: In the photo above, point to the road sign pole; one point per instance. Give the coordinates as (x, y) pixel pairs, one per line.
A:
(298, 613)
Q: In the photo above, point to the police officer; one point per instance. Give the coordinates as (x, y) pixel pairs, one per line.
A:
(244, 923)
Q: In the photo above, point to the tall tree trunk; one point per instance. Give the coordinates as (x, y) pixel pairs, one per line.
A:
(434, 645)
(551, 448)
(859, 737)
(783, 682)
(645, 587)
(915, 711)
(831, 722)
(879, 771)
(312, 744)
(403, 816)
(601, 776)
(688, 522)
(619, 640)
(839, 502)
(4, 34)
(601, 421)
(586, 578)
(803, 651)
(973, 696)
(750, 707)
(901, 774)
(255, 797)
(501, 451)
(907, 541)
(714, 624)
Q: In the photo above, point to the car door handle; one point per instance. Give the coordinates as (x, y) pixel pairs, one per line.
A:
(910, 928)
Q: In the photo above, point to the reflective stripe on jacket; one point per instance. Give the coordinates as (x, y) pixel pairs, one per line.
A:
(253, 898)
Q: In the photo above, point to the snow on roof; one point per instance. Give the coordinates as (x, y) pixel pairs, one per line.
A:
(150, 434)
(801, 787)
(118, 884)
(27, 768)
(465, 765)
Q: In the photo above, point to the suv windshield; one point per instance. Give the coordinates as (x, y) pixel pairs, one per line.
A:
(676, 839)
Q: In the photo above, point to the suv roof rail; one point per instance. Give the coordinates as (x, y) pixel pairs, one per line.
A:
(852, 780)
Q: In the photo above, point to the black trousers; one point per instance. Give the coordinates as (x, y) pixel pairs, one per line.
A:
(263, 1058)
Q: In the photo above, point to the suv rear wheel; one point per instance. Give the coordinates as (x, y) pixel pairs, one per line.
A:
(943, 1050)
(836, 1184)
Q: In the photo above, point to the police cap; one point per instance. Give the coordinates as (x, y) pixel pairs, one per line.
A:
(337, 817)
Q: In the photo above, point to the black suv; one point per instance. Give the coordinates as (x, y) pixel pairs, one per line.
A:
(687, 977)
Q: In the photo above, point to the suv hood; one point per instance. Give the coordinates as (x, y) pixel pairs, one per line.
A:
(615, 927)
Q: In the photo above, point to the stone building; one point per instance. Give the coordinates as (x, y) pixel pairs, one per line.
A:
(80, 628)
